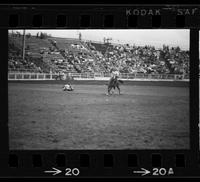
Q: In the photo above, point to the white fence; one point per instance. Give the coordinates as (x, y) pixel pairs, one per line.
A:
(96, 76)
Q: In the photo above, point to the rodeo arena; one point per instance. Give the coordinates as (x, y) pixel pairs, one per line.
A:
(72, 93)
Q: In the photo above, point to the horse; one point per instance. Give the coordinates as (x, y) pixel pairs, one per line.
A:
(114, 83)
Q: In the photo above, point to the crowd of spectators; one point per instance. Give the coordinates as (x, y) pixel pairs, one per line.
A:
(18, 64)
(88, 57)
(82, 61)
(146, 59)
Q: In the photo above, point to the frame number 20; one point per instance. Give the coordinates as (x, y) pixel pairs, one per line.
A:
(72, 172)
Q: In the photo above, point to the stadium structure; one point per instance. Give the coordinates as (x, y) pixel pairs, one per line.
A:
(45, 57)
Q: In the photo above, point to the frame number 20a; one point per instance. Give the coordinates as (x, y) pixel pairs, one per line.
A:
(162, 171)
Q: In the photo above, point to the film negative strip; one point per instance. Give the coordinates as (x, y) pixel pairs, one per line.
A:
(61, 76)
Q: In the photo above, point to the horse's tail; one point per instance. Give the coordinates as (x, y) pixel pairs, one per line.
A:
(121, 81)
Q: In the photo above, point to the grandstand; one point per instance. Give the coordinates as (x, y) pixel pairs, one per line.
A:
(53, 54)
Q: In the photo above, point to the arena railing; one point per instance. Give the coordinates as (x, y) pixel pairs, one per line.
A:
(94, 76)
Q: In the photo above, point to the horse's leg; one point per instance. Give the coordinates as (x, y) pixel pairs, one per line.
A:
(109, 88)
(118, 88)
(112, 90)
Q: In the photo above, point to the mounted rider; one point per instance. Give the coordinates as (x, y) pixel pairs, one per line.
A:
(114, 82)
(114, 74)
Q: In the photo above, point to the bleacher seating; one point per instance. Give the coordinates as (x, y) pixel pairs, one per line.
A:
(72, 55)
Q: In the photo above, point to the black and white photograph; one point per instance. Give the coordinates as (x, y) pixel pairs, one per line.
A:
(98, 89)
(199, 92)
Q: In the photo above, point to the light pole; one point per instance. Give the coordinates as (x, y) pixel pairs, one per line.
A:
(23, 43)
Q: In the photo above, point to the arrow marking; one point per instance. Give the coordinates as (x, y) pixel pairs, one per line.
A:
(55, 172)
(143, 172)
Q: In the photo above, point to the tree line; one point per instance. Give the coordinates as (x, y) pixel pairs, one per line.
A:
(39, 35)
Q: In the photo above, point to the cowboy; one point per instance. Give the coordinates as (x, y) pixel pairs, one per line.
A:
(114, 74)
(68, 87)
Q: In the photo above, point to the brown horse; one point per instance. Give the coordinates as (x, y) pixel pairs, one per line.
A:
(114, 83)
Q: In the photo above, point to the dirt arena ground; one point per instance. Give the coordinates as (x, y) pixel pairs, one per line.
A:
(42, 116)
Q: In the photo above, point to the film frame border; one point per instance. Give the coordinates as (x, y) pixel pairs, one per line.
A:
(118, 162)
